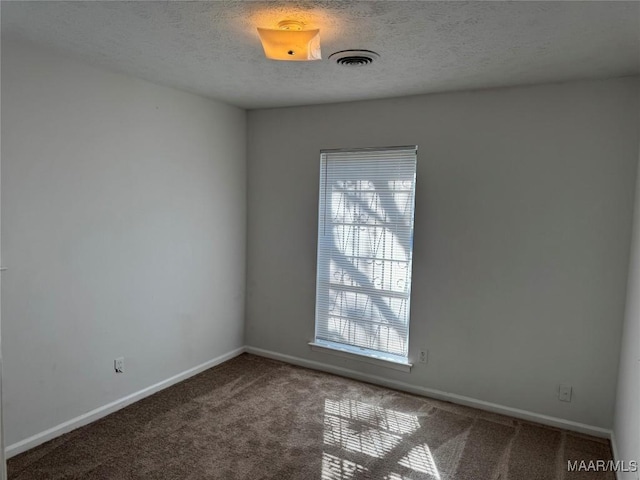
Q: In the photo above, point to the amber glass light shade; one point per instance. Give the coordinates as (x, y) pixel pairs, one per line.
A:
(291, 44)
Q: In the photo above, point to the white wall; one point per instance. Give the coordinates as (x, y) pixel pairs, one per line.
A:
(627, 412)
(522, 231)
(124, 225)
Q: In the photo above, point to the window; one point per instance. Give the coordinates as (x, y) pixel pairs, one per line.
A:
(365, 243)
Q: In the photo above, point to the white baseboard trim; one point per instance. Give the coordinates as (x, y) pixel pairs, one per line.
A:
(105, 410)
(437, 394)
(620, 475)
(614, 451)
(93, 415)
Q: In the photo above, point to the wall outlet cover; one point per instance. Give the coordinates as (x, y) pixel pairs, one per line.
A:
(424, 355)
(118, 365)
(564, 393)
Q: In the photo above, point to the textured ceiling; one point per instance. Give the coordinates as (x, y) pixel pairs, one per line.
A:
(212, 48)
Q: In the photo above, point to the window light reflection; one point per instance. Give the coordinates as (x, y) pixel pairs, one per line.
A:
(353, 428)
(336, 468)
(420, 459)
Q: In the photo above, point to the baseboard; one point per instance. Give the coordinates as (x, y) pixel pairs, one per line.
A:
(616, 458)
(93, 415)
(105, 410)
(614, 451)
(437, 394)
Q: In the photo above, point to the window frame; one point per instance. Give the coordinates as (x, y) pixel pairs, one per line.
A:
(390, 360)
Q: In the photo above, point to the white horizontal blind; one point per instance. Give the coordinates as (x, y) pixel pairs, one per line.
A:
(365, 242)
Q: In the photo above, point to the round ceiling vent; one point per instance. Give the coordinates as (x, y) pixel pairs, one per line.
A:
(354, 58)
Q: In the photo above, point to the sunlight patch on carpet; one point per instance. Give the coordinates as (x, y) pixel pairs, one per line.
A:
(390, 420)
(336, 468)
(356, 427)
(420, 459)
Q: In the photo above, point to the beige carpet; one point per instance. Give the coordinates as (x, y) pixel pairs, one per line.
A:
(253, 418)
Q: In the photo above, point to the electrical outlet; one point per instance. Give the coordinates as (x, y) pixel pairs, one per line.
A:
(424, 355)
(564, 393)
(118, 365)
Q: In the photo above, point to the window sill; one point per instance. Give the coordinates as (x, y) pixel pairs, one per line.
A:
(382, 362)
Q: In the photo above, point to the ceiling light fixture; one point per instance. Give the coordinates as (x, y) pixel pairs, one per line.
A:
(290, 42)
